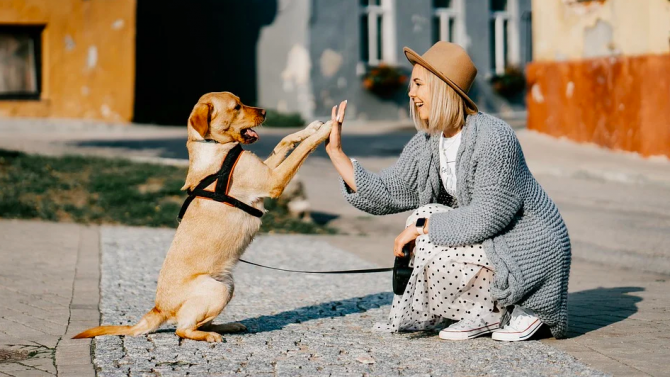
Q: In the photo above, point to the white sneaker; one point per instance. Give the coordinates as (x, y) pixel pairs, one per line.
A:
(522, 326)
(471, 328)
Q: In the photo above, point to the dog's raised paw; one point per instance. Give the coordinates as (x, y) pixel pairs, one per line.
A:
(314, 126)
(324, 130)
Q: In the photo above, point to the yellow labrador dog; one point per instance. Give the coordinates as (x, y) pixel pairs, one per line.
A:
(196, 283)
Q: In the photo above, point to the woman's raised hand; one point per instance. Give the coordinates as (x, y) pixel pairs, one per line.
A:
(334, 143)
(342, 163)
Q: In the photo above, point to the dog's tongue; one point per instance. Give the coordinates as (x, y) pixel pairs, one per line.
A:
(252, 133)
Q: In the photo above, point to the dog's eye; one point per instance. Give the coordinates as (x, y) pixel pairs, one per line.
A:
(237, 107)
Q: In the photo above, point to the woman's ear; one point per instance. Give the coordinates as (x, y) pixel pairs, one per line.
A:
(200, 118)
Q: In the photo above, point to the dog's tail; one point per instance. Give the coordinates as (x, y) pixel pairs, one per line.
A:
(150, 322)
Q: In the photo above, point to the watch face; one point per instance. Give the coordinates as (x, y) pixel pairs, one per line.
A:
(420, 222)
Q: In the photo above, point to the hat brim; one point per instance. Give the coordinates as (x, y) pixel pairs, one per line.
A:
(415, 58)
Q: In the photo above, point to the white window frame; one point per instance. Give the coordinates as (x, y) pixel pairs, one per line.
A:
(456, 13)
(511, 16)
(385, 11)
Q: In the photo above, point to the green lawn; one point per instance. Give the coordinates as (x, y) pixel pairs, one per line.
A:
(107, 191)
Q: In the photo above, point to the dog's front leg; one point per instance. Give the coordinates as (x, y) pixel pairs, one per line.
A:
(289, 142)
(283, 174)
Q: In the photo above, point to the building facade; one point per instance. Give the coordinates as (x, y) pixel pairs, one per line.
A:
(67, 59)
(149, 61)
(318, 52)
(601, 73)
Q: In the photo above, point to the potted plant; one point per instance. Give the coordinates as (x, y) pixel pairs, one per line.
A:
(510, 83)
(384, 80)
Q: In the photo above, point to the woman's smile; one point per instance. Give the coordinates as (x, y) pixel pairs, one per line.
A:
(420, 92)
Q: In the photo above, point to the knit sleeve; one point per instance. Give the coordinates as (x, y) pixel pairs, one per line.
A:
(393, 190)
(495, 199)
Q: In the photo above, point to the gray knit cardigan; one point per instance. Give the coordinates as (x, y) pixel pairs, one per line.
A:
(498, 203)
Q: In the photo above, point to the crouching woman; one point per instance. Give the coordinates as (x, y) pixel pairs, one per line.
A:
(492, 252)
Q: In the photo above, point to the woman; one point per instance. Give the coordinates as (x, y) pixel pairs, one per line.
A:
(491, 250)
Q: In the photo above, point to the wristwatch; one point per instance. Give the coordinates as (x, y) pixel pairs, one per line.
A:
(420, 222)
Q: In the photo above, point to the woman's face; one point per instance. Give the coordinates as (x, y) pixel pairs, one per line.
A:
(419, 92)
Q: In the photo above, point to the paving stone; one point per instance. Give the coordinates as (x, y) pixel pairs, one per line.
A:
(300, 325)
(36, 283)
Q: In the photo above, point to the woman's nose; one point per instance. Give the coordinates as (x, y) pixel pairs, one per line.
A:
(412, 92)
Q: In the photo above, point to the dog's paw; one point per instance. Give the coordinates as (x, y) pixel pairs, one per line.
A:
(314, 126)
(324, 130)
(214, 338)
(295, 139)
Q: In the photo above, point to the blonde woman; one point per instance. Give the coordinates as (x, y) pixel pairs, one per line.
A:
(491, 252)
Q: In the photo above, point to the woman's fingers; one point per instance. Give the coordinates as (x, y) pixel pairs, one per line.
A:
(398, 245)
(406, 237)
(342, 109)
(337, 115)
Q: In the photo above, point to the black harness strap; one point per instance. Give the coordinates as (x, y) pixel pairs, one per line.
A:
(220, 193)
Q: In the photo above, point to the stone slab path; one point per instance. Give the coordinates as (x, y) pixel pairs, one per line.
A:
(49, 275)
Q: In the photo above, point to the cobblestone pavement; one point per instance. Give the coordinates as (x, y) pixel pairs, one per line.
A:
(299, 324)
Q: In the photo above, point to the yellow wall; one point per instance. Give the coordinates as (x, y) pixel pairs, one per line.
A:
(569, 30)
(88, 61)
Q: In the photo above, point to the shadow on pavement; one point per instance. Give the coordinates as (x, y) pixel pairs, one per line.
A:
(594, 309)
(384, 145)
(589, 310)
(330, 309)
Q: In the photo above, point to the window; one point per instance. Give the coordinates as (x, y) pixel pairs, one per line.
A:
(20, 61)
(504, 43)
(447, 21)
(377, 28)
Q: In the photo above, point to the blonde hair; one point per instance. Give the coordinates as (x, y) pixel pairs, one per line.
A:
(448, 109)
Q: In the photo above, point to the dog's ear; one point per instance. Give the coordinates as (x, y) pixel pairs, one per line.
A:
(200, 118)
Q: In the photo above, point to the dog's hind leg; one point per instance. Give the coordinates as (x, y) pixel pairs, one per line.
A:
(226, 328)
(195, 334)
(289, 142)
(193, 313)
(209, 298)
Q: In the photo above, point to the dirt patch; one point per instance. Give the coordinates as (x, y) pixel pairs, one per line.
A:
(151, 185)
(12, 356)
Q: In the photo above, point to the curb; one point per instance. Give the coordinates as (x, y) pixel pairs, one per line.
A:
(74, 357)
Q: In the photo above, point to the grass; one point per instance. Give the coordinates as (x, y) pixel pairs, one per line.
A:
(277, 119)
(94, 190)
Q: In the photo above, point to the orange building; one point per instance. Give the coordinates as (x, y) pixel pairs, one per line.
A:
(601, 73)
(146, 61)
(67, 58)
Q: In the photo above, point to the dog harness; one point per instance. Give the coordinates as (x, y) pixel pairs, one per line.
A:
(220, 193)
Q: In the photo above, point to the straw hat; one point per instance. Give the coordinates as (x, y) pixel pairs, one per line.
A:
(451, 63)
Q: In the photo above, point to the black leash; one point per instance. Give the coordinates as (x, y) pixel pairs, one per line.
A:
(365, 271)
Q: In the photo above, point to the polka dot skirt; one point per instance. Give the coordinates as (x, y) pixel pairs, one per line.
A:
(446, 282)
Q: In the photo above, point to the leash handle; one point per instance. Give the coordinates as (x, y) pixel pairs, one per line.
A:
(364, 271)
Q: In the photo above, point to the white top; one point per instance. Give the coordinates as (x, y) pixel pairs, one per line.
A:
(448, 150)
